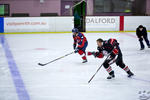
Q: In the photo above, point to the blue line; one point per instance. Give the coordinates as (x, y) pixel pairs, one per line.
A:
(18, 82)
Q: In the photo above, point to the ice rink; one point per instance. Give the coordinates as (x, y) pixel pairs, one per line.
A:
(21, 78)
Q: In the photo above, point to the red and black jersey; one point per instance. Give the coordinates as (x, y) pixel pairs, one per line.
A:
(80, 39)
(109, 46)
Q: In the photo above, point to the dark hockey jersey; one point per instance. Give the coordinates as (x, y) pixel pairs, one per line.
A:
(111, 47)
(141, 33)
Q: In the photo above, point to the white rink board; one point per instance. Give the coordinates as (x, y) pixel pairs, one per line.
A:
(132, 22)
(26, 24)
(38, 24)
(104, 23)
(65, 24)
(59, 24)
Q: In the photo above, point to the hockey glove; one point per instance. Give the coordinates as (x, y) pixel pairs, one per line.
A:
(74, 46)
(76, 50)
(95, 54)
(140, 39)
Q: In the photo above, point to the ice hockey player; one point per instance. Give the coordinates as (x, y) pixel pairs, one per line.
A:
(80, 44)
(141, 33)
(112, 49)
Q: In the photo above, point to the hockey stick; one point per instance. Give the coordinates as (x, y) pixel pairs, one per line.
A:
(55, 59)
(100, 66)
(97, 70)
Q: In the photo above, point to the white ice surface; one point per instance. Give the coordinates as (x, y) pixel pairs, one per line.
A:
(66, 79)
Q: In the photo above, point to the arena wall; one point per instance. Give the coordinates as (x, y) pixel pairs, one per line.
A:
(65, 24)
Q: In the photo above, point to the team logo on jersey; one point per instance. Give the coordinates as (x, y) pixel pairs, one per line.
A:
(144, 95)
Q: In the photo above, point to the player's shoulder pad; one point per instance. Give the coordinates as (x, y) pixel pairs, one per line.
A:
(79, 33)
(111, 40)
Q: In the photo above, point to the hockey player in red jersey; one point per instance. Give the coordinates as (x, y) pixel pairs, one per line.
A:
(112, 48)
(80, 43)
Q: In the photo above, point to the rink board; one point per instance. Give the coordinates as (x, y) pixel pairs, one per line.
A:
(65, 24)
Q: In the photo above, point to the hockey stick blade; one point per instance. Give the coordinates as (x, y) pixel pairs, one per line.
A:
(55, 59)
(41, 64)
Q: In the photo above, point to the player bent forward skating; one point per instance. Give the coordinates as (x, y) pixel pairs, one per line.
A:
(80, 43)
(110, 46)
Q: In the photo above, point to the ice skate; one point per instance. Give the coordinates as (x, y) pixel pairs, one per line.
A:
(84, 61)
(111, 75)
(130, 74)
(142, 49)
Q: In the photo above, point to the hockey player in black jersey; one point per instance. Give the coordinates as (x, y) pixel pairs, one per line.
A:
(112, 48)
(141, 33)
